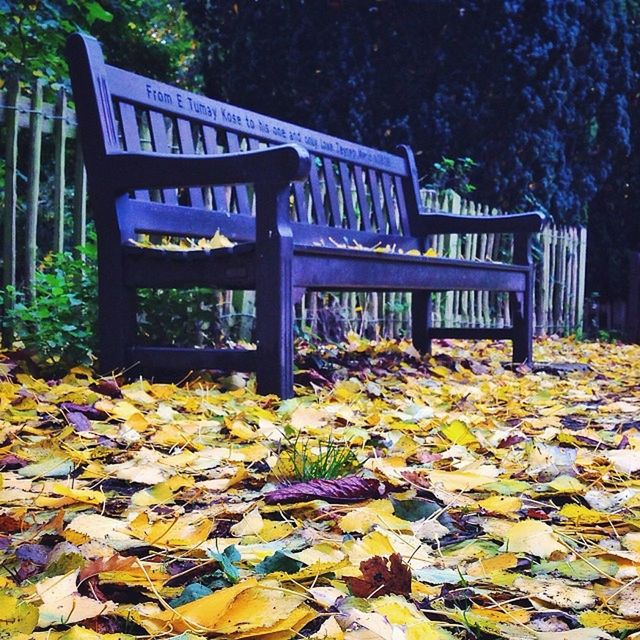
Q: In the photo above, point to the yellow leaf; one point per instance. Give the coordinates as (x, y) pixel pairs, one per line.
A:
(86, 496)
(583, 515)
(533, 537)
(110, 531)
(486, 566)
(377, 512)
(61, 604)
(274, 530)
(463, 480)
(258, 609)
(161, 493)
(501, 504)
(567, 484)
(204, 613)
(556, 591)
(305, 417)
(188, 531)
(320, 553)
(16, 615)
(458, 433)
(250, 525)
(607, 622)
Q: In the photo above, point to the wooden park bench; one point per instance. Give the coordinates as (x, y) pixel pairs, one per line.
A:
(299, 205)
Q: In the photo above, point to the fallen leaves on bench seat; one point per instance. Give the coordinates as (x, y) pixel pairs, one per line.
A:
(218, 241)
(479, 501)
(376, 248)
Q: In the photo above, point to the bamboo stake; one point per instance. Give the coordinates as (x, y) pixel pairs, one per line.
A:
(313, 311)
(33, 190)
(562, 263)
(553, 272)
(465, 298)
(474, 209)
(453, 297)
(490, 296)
(482, 299)
(79, 199)
(571, 281)
(59, 135)
(10, 201)
(547, 277)
(582, 271)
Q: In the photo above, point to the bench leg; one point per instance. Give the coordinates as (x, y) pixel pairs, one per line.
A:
(274, 294)
(522, 314)
(116, 321)
(421, 320)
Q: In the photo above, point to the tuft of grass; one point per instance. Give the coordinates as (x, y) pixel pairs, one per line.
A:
(308, 458)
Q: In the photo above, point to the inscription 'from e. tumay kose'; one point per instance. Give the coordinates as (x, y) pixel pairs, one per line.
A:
(270, 129)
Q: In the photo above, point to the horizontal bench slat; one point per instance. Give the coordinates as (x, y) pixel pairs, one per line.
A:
(471, 333)
(170, 359)
(357, 271)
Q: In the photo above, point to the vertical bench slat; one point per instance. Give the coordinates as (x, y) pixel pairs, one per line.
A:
(347, 195)
(363, 204)
(374, 190)
(316, 194)
(300, 202)
(185, 138)
(160, 142)
(332, 192)
(390, 203)
(402, 205)
(242, 197)
(131, 136)
(211, 148)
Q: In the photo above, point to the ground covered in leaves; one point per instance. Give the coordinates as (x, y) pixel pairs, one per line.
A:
(394, 498)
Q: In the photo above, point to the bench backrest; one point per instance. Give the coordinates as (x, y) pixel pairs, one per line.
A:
(362, 193)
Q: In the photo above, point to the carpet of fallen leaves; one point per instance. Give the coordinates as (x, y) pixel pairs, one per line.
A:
(486, 503)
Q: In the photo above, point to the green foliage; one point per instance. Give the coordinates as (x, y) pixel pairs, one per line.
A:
(33, 35)
(58, 325)
(452, 174)
(183, 317)
(150, 36)
(310, 458)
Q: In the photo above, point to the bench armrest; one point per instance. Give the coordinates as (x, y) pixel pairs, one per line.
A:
(432, 223)
(140, 170)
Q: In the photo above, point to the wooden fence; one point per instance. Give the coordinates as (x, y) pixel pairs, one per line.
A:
(33, 131)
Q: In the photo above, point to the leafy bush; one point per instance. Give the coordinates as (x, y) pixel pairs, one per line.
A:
(58, 325)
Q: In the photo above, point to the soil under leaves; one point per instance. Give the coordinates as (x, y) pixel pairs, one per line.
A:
(484, 502)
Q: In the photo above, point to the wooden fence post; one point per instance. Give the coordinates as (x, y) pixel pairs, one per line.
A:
(582, 274)
(33, 189)
(10, 200)
(59, 135)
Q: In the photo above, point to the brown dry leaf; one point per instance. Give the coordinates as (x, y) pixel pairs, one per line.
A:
(382, 576)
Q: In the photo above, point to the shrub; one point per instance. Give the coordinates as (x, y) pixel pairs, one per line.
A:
(58, 325)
